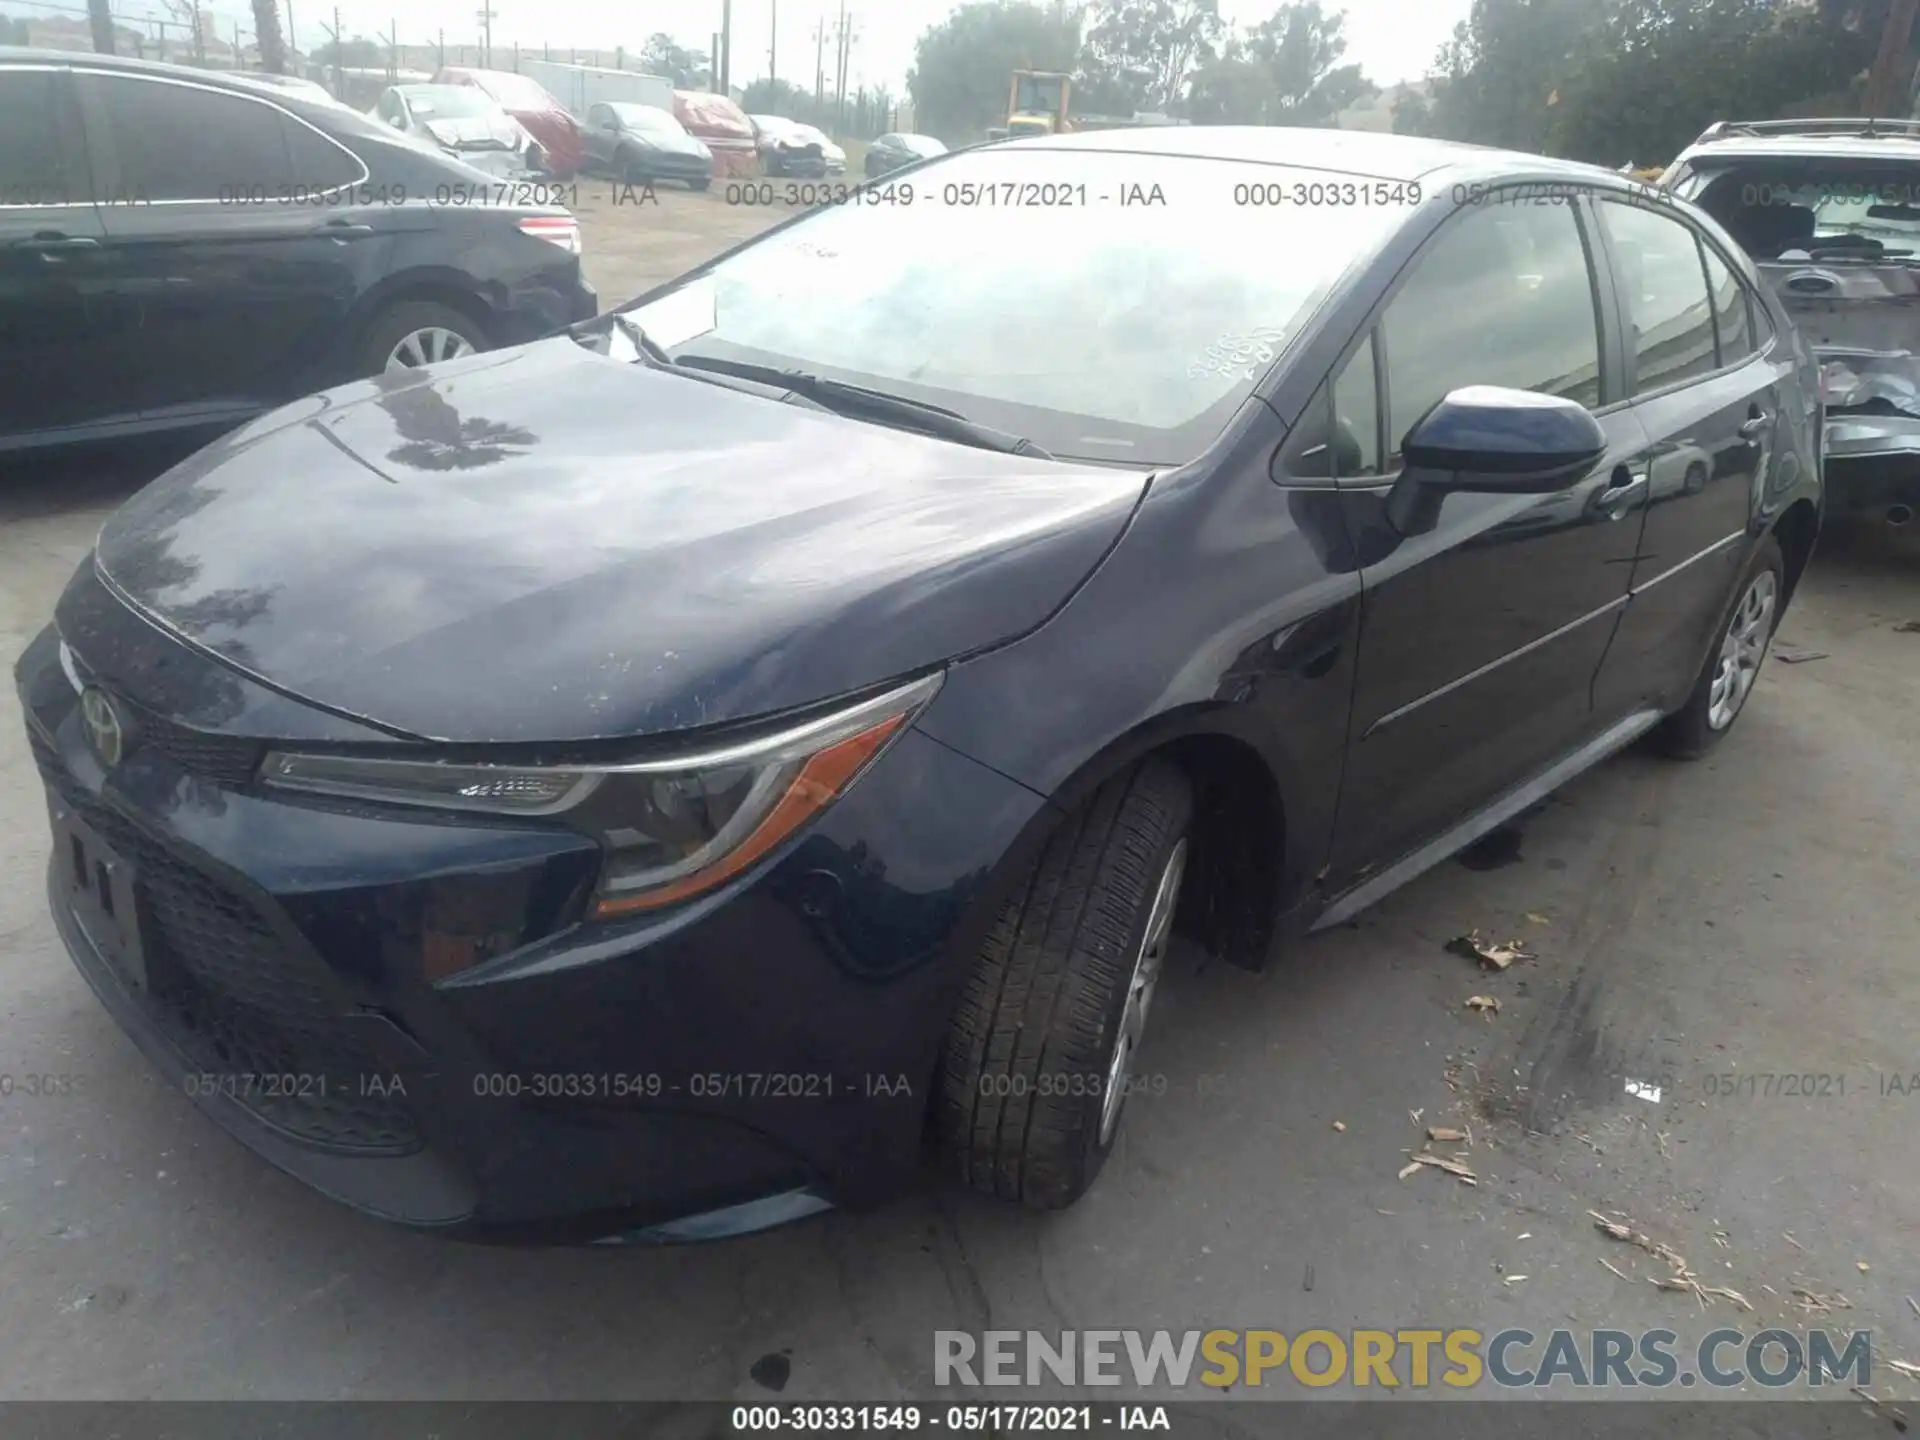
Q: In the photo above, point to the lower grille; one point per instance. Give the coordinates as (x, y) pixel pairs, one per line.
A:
(224, 759)
(242, 1005)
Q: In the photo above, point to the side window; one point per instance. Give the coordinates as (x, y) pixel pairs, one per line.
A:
(390, 107)
(1503, 296)
(1731, 319)
(1665, 289)
(178, 142)
(35, 171)
(318, 163)
(1338, 435)
(1356, 416)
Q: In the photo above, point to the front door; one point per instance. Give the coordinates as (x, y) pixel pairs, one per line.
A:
(1480, 639)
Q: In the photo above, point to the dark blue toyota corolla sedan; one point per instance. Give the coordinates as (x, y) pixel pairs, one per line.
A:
(647, 782)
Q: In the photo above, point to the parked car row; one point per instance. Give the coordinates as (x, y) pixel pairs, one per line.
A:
(180, 250)
(702, 751)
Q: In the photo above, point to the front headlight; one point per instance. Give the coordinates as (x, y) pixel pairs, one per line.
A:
(672, 828)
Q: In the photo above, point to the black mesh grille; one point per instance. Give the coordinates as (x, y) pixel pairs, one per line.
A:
(239, 1002)
(223, 759)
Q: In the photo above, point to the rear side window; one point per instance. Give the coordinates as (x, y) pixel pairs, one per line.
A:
(318, 163)
(1503, 296)
(1664, 284)
(1732, 319)
(34, 171)
(178, 142)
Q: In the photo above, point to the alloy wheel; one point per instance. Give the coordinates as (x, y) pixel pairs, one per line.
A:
(1741, 652)
(428, 347)
(1141, 985)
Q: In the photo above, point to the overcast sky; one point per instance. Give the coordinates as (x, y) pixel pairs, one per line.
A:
(1392, 39)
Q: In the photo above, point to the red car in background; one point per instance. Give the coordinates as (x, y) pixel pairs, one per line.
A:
(563, 146)
(724, 126)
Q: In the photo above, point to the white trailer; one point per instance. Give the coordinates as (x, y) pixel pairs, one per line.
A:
(578, 86)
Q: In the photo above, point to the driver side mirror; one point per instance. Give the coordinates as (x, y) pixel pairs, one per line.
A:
(1490, 440)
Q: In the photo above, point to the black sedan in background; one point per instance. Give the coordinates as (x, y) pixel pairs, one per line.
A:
(643, 143)
(179, 250)
(632, 785)
(892, 152)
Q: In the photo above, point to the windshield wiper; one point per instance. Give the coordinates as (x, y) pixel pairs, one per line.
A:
(883, 405)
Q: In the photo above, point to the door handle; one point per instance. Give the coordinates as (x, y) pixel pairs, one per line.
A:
(1754, 428)
(1626, 490)
(343, 230)
(56, 244)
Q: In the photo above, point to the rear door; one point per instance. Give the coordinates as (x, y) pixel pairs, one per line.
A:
(1706, 387)
(1480, 639)
(53, 300)
(239, 238)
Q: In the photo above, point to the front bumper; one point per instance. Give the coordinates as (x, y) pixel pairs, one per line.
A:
(750, 1058)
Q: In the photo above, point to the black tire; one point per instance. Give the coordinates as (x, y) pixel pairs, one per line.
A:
(395, 323)
(699, 184)
(1023, 1077)
(1689, 732)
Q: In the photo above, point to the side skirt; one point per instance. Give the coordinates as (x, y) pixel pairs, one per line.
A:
(1610, 741)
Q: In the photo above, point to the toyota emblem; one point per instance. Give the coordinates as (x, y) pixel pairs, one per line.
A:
(104, 731)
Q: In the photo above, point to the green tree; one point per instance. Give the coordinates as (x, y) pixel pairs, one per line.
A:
(1142, 54)
(777, 97)
(963, 67)
(100, 19)
(662, 55)
(1412, 113)
(1286, 71)
(1498, 79)
(266, 32)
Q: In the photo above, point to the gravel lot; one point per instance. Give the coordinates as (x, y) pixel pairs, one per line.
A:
(1752, 915)
(635, 239)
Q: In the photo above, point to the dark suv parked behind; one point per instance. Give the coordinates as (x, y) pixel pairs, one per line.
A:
(180, 250)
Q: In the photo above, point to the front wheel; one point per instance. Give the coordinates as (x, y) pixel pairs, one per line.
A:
(1041, 1056)
(1732, 670)
(700, 184)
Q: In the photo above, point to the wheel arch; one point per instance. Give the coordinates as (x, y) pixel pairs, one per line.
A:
(1235, 883)
(430, 285)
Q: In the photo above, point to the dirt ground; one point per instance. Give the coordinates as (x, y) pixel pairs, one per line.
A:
(1703, 931)
(635, 238)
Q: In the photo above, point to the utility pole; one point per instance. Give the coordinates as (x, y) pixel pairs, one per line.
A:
(1883, 81)
(819, 66)
(773, 47)
(339, 81)
(293, 45)
(726, 47)
(393, 51)
(713, 63)
(485, 17)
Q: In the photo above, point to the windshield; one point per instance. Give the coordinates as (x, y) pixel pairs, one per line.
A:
(646, 117)
(448, 102)
(1019, 290)
(1775, 209)
(922, 145)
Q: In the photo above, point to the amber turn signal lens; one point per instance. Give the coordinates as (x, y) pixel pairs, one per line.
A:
(820, 781)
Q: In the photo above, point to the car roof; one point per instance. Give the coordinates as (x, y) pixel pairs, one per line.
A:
(1902, 149)
(1390, 157)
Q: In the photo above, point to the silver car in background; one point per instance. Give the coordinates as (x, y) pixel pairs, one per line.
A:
(460, 121)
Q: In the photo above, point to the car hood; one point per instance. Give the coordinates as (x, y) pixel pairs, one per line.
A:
(668, 144)
(551, 544)
(475, 132)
